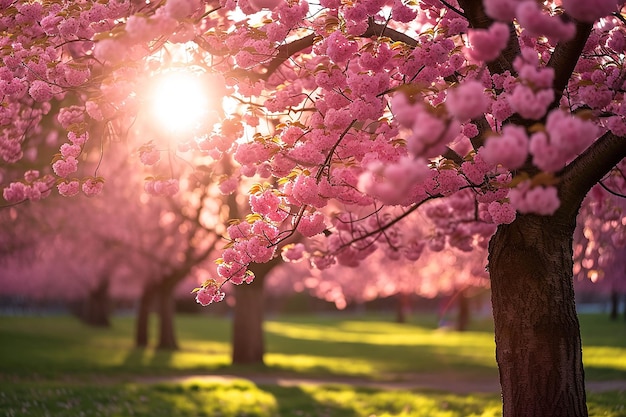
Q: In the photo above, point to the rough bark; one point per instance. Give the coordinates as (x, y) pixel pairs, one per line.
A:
(248, 341)
(538, 344)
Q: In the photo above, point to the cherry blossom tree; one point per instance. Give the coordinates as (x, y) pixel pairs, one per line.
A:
(65, 264)
(507, 111)
(430, 272)
(600, 245)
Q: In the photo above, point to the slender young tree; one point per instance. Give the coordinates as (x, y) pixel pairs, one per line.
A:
(508, 110)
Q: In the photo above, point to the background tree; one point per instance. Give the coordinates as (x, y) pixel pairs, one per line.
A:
(600, 245)
(448, 273)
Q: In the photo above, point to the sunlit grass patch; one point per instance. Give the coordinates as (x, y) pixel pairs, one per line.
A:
(604, 347)
(611, 404)
(244, 399)
(322, 365)
(603, 362)
(377, 347)
(155, 400)
(363, 402)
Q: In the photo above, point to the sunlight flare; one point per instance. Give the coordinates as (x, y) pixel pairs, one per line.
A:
(180, 101)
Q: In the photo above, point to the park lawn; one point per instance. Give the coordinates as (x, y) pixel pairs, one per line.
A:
(245, 399)
(364, 346)
(335, 345)
(57, 366)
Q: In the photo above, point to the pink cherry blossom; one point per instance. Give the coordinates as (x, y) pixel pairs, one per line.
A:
(65, 167)
(486, 44)
(15, 192)
(266, 230)
(293, 252)
(392, 183)
(501, 213)
(264, 4)
(467, 101)
(180, 9)
(305, 191)
(69, 188)
(92, 186)
(565, 137)
(72, 150)
(31, 175)
(239, 230)
(539, 200)
(161, 187)
(528, 103)
(149, 155)
(110, 51)
(509, 149)
(589, 10)
(78, 139)
(537, 22)
(503, 10)
(339, 48)
(41, 91)
(311, 225)
(209, 292)
(430, 134)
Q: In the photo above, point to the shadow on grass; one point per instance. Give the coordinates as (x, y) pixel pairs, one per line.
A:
(135, 356)
(328, 357)
(604, 373)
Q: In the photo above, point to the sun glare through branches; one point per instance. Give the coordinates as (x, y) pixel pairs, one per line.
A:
(179, 101)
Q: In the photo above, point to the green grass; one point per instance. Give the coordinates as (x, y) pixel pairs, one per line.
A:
(327, 346)
(54, 366)
(239, 398)
(243, 398)
(604, 347)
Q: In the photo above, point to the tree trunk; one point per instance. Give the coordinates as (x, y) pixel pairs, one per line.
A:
(614, 305)
(166, 310)
(94, 310)
(463, 314)
(143, 316)
(248, 340)
(538, 344)
(98, 305)
(402, 307)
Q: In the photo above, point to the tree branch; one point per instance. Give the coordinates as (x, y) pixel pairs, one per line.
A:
(588, 169)
(564, 59)
(378, 30)
(451, 7)
(286, 51)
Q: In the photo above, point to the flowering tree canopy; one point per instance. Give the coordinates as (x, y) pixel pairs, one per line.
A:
(366, 104)
(497, 113)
